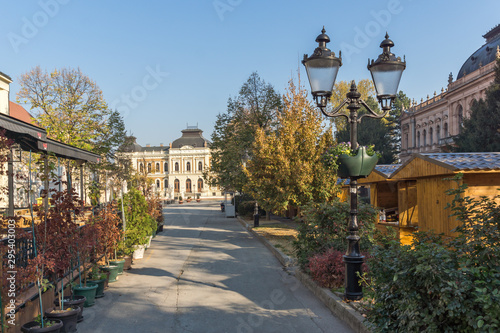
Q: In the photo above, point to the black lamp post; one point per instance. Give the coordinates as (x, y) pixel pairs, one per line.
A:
(322, 68)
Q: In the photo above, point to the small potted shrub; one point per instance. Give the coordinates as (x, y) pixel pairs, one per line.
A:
(198, 197)
(180, 199)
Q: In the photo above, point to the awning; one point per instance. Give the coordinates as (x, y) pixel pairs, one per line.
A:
(34, 138)
(21, 128)
(67, 151)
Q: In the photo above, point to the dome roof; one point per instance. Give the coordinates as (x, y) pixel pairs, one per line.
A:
(191, 137)
(485, 54)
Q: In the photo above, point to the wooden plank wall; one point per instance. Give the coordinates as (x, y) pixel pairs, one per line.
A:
(482, 184)
(432, 201)
(407, 203)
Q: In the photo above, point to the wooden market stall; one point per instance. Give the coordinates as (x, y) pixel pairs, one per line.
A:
(413, 195)
(424, 179)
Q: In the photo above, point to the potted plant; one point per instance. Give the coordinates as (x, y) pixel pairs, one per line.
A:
(188, 199)
(99, 278)
(180, 199)
(58, 237)
(351, 163)
(87, 245)
(40, 325)
(106, 222)
(139, 222)
(198, 195)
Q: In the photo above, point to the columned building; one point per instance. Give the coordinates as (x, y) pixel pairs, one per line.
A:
(177, 169)
(431, 125)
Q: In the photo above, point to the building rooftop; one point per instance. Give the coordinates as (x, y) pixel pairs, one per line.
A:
(387, 169)
(468, 161)
(191, 136)
(484, 55)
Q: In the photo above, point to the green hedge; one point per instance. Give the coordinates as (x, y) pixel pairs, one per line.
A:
(439, 284)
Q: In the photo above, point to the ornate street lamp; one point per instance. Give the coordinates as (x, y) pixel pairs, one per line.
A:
(322, 68)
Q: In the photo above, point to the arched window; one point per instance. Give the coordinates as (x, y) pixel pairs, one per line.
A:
(200, 166)
(188, 166)
(445, 129)
(141, 168)
(438, 133)
(165, 167)
(165, 184)
(200, 185)
(149, 167)
(157, 167)
(460, 114)
(177, 166)
(188, 185)
(177, 186)
(418, 139)
(425, 138)
(431, 139)
(158, 184)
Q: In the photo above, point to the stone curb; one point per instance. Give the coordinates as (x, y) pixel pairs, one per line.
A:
(333, 302)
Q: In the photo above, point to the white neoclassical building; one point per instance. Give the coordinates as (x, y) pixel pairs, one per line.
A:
(177, 169)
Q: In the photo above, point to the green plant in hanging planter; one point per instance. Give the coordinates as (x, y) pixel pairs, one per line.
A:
(349, 162)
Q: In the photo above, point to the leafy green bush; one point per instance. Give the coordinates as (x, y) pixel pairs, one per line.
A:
(139, 224)
(324, 226)
(439, 284)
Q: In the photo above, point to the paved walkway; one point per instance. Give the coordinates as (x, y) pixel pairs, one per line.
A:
(205, 273)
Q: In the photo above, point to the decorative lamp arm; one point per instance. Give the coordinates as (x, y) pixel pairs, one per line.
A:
(371, 113)
(337, 111)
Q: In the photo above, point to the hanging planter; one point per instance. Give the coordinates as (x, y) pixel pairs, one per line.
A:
(360, 165)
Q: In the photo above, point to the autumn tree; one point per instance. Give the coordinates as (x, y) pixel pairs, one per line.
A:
(365, 88)
(481, 131)
(71, 107)
(286, 167)
(254, 108)
(67, 103)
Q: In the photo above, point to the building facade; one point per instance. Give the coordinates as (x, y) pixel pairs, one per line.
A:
(177, 169)
(431, 125)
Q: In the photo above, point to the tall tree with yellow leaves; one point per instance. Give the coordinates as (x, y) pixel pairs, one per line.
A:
(341, 88)
(67, 103)
(286, 167)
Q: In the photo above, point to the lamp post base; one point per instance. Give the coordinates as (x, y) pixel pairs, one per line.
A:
(353, 290)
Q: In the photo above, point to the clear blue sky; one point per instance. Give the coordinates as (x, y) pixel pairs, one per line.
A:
(165, 64)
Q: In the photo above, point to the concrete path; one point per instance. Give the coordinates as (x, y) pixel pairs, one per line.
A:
(205, 273)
